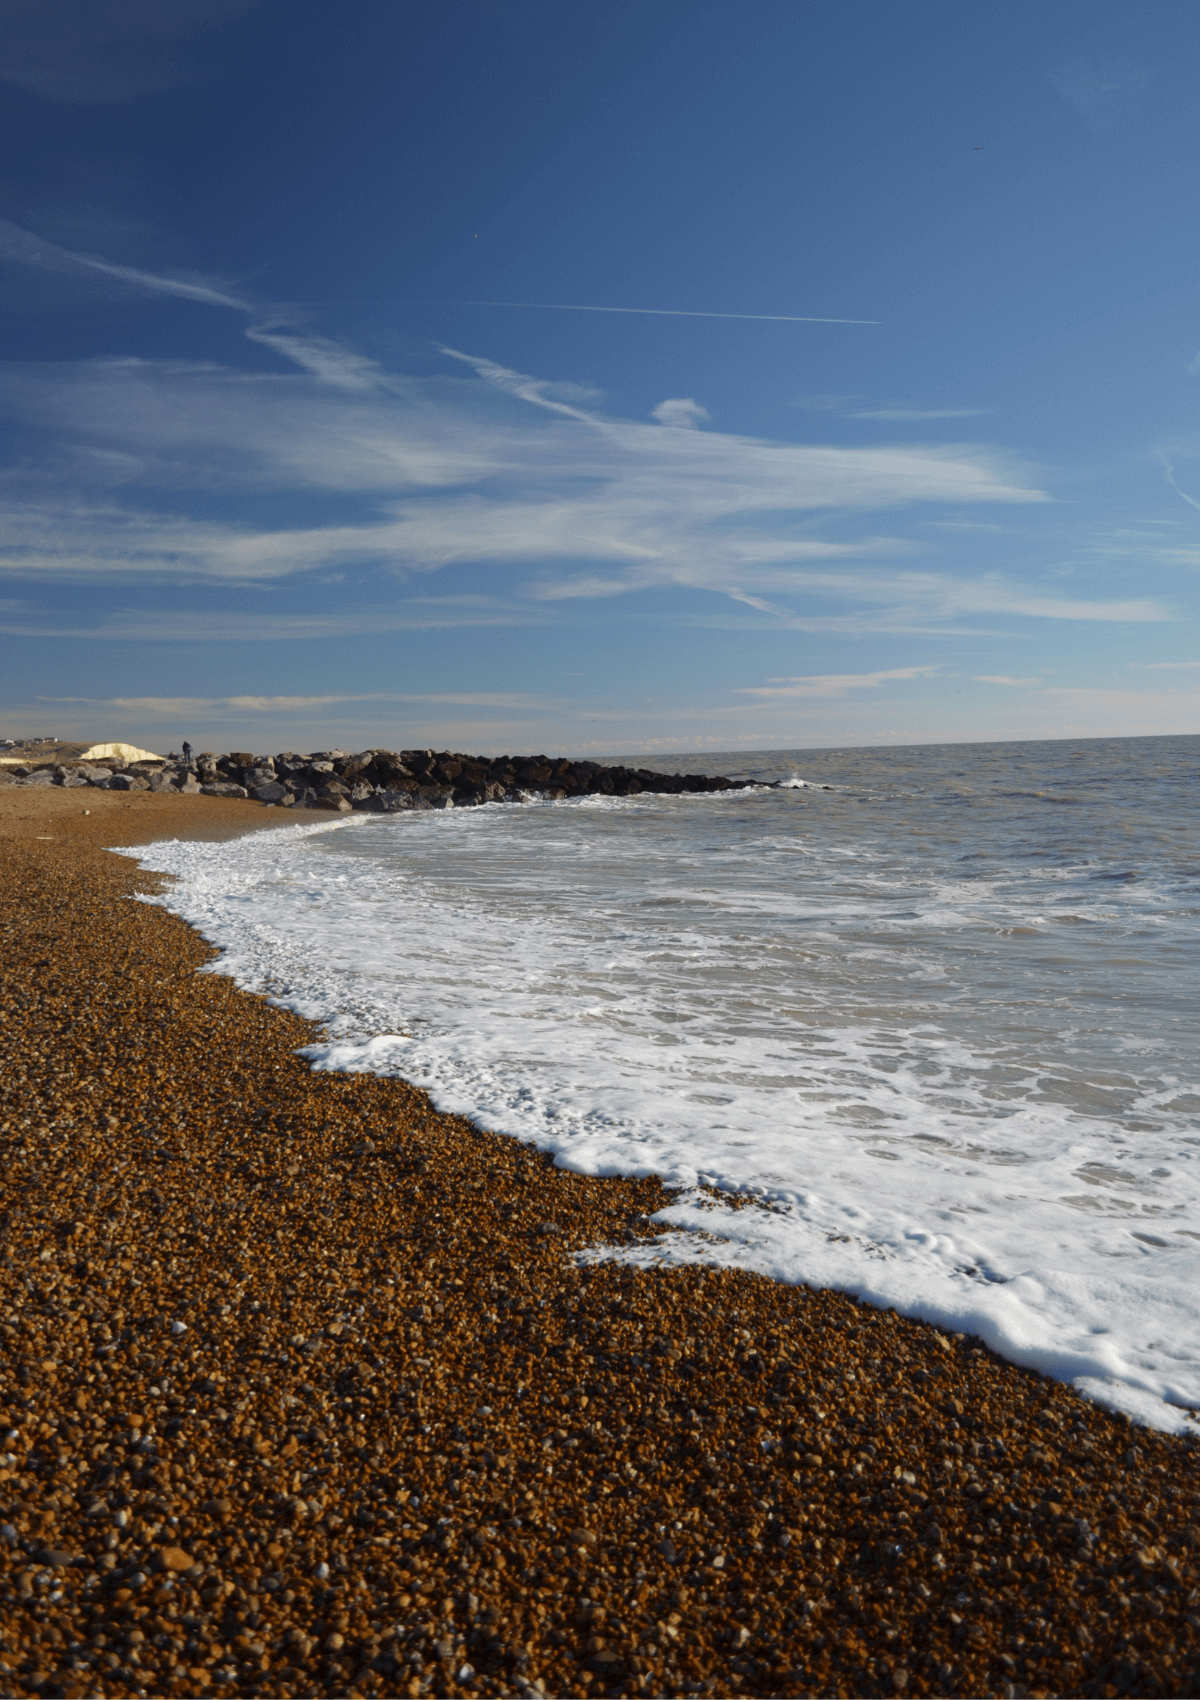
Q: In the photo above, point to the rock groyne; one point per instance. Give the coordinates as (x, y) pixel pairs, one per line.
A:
(377, 781)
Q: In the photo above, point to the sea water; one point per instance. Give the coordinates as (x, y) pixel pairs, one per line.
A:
(933, 1011)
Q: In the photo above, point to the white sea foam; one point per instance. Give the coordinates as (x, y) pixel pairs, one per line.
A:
(945, 1039)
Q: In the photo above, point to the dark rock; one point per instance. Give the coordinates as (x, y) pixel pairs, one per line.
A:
(224, 790)
(384, 802)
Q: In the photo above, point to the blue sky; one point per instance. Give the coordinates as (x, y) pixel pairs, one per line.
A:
(900, 444)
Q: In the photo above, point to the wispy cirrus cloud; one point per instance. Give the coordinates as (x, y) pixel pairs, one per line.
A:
(327, 360)
(858, 407)
(20, 247)
(135, 624)
(908, 414)
(531, 486)
(832, 684)
(496, 468)
(186, 707)
(1168, 468)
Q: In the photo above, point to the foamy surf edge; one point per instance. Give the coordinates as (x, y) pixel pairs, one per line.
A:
(944, 1280)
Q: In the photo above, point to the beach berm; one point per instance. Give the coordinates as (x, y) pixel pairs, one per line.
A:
(310, 1389)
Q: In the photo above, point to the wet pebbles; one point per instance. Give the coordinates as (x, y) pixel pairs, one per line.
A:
(305, 1391)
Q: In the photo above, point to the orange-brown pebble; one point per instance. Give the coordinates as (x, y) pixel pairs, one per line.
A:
(404, 1443)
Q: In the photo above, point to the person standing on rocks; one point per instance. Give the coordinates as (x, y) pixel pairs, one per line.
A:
(187, 753)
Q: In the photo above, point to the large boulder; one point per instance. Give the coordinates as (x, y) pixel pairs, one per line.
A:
(224, 789)
(433, 797)
(384, 802)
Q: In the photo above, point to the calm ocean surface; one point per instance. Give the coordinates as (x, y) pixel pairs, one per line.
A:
(935, 1008)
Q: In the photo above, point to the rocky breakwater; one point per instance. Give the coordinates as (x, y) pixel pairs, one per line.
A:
(385, 781)
(113, 775)
(379, 781)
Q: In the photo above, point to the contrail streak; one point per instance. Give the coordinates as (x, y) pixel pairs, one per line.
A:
(574, 307)
(662, 312)
(1169, 475)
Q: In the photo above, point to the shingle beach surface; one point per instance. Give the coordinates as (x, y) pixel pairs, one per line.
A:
(308, 1393)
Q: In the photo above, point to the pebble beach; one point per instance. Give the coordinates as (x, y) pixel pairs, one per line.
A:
(312, 1390)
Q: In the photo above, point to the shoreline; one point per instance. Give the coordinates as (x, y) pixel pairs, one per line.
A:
(390, 1365)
